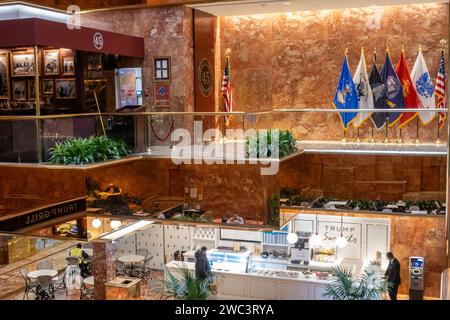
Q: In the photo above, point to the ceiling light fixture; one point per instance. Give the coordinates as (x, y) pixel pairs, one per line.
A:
(292, 238)
(316, 239)
(341, 242)
(96, 223)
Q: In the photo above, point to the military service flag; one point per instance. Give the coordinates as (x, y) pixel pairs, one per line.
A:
(394, 91)
(411, 100)
(365, 97)
(346, 96)
(378, 91)
(424, 88)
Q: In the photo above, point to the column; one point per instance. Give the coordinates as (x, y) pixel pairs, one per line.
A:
(103, 267)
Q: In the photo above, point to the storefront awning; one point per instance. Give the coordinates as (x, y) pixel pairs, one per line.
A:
(34, 31)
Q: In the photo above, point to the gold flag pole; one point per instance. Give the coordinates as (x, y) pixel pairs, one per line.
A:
(438, 141)
(438, 130)
(386, 139)
(357, 136)
(417, 141)
(417, 131)
(372, 140)
(344, 140)
(400, 140)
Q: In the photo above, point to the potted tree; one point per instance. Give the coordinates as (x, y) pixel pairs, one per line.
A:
(369, 285)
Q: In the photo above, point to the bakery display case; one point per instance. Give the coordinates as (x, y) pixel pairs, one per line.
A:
(225, 259)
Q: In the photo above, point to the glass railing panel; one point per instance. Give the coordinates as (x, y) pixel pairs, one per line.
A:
(18, 141)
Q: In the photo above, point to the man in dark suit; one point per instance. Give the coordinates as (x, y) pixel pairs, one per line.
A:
(393, 275)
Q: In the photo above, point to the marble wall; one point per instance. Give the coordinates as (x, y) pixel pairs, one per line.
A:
(23, 188)
(167, 31)
(366, 177)
(293, 60)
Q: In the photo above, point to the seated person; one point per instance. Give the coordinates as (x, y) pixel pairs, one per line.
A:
(236, 219)
(82, 256)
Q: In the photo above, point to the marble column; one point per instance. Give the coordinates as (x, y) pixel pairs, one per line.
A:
(103, 268)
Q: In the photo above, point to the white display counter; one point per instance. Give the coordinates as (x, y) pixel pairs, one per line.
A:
(260, 286)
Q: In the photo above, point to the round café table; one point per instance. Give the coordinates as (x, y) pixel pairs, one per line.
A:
(89, 281)
(132, 258)
(44, 272)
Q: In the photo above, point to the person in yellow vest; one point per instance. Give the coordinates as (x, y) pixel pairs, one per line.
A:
(82, 256)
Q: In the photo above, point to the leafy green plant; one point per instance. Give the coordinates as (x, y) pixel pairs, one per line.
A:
(368, 286)
(286, 144)
(275, 204)
(186, 286)
(88, 150)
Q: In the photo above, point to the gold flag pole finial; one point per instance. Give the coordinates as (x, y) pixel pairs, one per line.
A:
(420, 47)
(403, 48)
(362, 49)
(346, 51)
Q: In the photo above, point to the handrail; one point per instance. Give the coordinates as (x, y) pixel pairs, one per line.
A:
(238, 113)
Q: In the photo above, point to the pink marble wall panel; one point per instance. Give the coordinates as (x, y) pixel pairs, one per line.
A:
(293, 60)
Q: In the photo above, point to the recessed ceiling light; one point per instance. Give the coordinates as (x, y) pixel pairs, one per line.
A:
(287, 3)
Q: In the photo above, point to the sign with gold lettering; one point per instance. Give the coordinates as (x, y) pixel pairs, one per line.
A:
(205, 77)
(44, 214)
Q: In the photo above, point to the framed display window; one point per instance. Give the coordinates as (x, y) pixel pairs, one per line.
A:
(162, 69)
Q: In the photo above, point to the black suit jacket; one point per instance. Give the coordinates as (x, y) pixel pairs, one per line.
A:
(393, 272)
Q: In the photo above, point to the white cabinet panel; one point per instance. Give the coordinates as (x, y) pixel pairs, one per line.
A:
(377, 240)
(263, 289)
(233, 285)
(293, 291)
(318, 293)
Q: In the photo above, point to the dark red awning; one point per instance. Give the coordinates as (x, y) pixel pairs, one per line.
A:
(34, 31)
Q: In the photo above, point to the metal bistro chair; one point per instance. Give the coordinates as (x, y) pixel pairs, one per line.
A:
(72, 261)
(142, 270)
(30, 286)
(86, 293)
(45, 288)
(47, 265)
(121, 270)
(59, 283)
(142, 252)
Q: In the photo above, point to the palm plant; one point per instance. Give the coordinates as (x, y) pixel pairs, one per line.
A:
(88, 150)
(368, 286)
(286, 144)
(187, 286)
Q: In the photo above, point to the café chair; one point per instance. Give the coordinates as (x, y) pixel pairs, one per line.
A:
(120, 268)
(85, 292)
(30, 286)
(44, 265)
(45, 288)
(142, 270)
(142, 252)
(59, 283)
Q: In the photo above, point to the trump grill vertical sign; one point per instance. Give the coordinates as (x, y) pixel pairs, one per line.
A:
(162, 94)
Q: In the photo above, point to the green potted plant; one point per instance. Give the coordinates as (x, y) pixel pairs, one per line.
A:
(80, 151)
(187, 286)
(368, 286)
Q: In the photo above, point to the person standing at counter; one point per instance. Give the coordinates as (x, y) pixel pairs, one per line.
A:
(202, 266)
(393, 275)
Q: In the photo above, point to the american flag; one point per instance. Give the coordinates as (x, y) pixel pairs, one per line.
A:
(439, 90)
(226, 92)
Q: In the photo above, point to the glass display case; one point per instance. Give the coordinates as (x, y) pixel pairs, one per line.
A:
(223, 259)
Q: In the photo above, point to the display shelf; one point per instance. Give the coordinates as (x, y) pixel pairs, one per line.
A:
(377, 148)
